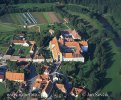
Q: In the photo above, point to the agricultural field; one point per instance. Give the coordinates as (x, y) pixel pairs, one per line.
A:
(31, 18)
(3, 48)
(7, 27)
(5, 41)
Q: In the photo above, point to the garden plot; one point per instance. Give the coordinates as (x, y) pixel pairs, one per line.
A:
(39, 16)
(54, 18)
(31, 18)
(18, 18)
(28, 18)
(18, 50)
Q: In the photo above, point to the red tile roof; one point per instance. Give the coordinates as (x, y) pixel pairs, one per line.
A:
(76, 91)
(83, 43)
(37, 84)
(18, 41)
(61, 87)
(54, 46)
(73, 33)
(14, 76)
(68, 55)
(73, 44)
(44, 77)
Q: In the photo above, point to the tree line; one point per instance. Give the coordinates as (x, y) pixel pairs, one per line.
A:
(100, 6)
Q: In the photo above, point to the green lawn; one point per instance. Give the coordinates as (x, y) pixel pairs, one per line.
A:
(113, 71)
(55, 27)
(14, 19)
(3, 48)
(47, 17)
(2, 89)
(6, 37)
(44, 27)
(24, 49)
(7, 27)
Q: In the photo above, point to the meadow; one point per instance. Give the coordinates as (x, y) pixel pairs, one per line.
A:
(31, 18)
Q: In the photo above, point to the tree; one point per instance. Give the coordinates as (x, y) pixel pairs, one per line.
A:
(92, 82)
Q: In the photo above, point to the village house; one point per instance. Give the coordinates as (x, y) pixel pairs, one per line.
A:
(26, 44)
(12, 76)
(46, 70)
(18, 42)
(41, 79)
(76, 91)
(70, 33)
(61, 87)
(37, 85)
(66, 50)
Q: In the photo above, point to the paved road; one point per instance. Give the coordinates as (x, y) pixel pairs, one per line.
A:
(31, 79)
(56, 67)
(31, 83)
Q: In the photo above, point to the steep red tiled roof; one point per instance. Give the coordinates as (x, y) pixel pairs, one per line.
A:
(68, 55)
(44, 77)
(14, 76)
(18, 41)
(73, 44)
(83, 43)
(55, 47)
(76, 91)
(61, 87)
(73, 33)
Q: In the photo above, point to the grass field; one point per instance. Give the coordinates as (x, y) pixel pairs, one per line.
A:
(55, 27)
(3, 48)
(25, 50)
(7, 27)
(5, 38)
(2, 89)
(113, 72)
(31, 18)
